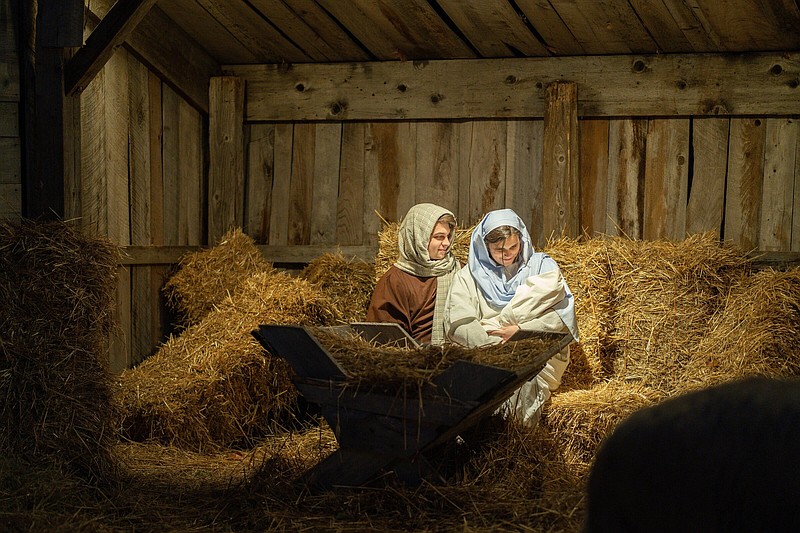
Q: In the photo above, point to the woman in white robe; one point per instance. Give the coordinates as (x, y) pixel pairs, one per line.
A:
(506, 287)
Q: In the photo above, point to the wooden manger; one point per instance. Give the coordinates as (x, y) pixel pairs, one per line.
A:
(392, 430)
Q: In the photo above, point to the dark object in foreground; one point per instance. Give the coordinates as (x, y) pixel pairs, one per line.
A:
(724, 459)
(379, 429)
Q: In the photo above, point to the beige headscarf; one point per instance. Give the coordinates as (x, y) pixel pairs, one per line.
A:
(412, 240)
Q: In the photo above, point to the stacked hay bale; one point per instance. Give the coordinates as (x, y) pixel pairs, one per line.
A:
(57, 290)
(665, 294)
(586, 268)
(214, 386)
(755, 332)
(348, 284)
(207, 277)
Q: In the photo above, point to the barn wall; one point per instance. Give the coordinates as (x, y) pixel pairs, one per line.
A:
(10, 146)
(142, 176)
(657, 178)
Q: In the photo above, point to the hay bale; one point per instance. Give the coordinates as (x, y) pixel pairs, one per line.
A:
(757, 332)
(665, 294)
(348, 284)
(207, 277)
(388, 252)
(580, 419)
(57, 289)
(587, 270)
(214, 386)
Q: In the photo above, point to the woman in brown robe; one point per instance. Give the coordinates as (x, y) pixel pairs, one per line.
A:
(413, 291)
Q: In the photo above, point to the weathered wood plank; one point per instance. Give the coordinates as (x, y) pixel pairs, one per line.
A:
(777, 198)
(325, 185)
(281, 185)
(260, 173)
(9, 119)
(171, 150)
(119, 349)
(659, 18)
(405, 143)
(307, 25)
(191, 140)
(605, 26)
(744, 186)
(560, 172)
(140, 136)
(113, 29)
(437, 164)
(486, 153)
(557, 37)
(397, 29)
(493, 27)
(524, 175)
(594, 137)
(216, 39)
(384, 165)
(10, 201)
(464, 176)
(10, 162)
(746, 25)
(627, 142)
(259, 36)
(302, 182)
(350, 201)
(707, 187)
(666, 179)
(627, 86)
(169, 255)
(226, 156)
(9, 53)
(796, 211)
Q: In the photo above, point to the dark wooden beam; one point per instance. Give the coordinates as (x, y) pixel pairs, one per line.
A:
(43, 189)
(64, 22)
(114, 28)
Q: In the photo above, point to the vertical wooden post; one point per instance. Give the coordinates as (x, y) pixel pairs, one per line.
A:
(560, 161)
(58, 25)
(226, 156)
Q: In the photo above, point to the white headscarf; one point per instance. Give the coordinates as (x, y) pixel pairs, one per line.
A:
(412, 240)
(489, 277)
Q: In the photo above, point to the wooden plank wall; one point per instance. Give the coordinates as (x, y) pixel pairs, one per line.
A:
(141, 182)
(10, 146)
(659, 178)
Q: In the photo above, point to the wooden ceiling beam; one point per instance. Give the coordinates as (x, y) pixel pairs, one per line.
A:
(622, 85)
(114, 28)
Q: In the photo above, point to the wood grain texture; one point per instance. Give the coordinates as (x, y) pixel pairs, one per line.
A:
(281, 185)
(485, 151)
(260, 178)
(627, 142)
(226, 156)
(706, 206)
(622, 85)
(780, 154)
(743, 196)
(666, 179)
(437, 156)
(524, 175)
(560, 161)
(594, 154)
(302, 181)
(325, 187)
(350, 200)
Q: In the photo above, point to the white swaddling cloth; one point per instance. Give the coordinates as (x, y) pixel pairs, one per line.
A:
(531, 299)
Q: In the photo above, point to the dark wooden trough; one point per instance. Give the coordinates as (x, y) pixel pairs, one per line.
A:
(377, 430)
